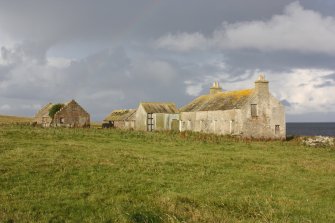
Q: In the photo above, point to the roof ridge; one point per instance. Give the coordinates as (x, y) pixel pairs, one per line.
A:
(227, 92)
(158, 103)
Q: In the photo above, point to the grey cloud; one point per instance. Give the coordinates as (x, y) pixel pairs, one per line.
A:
(52, 22)
(286, 103)
(325, 84)
(296, 29)
(106, 80)
(277, 61)
(330, 76)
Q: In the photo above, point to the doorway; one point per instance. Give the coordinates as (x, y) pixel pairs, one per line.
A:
(150, 122)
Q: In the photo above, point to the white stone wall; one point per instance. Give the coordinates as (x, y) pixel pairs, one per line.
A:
(216, 122)
(270, 112)
(141, 119)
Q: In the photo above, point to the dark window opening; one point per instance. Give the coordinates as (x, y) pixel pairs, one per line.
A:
(253, 110)
(150, 122)
(277, 129)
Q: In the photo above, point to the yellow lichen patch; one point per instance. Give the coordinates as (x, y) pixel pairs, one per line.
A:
(219, 101)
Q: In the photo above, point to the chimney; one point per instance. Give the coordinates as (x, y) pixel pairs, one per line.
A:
(215, 88)
(262, 85)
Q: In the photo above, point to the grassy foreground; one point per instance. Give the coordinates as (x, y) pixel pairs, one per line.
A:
(96, 175)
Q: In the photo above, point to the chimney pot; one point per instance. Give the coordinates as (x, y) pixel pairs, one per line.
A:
(215, 88)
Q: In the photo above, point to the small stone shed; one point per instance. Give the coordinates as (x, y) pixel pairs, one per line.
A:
(123, 119)
(70, 115)
(249, 113)
(156, 116)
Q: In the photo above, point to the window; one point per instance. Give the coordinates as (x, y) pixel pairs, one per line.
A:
(231, 126)
(253, 110)
(214, 125)
(189, 125)
(150, 122)
(61, 120)
(277, 129)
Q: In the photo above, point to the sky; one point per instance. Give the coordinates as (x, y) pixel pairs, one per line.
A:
(113, 54)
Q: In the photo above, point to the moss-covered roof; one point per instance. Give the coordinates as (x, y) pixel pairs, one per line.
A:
(158, 107)
(121, 115)
(219, 101)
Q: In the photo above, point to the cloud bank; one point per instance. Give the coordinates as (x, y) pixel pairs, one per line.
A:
(297, 29)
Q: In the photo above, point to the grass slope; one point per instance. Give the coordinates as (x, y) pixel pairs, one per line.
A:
(6, 119)
(95, 175)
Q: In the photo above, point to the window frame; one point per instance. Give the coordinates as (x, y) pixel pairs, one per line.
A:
(277, 129)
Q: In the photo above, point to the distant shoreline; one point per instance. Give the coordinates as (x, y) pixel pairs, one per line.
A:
(310, 129)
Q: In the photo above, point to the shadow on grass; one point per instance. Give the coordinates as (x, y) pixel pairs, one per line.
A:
(145, 217)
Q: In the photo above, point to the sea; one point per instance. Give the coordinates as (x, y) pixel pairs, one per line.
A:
(310, 128)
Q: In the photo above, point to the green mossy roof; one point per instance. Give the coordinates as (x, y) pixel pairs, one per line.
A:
(120, 115)
(219, 101)
(158, 107)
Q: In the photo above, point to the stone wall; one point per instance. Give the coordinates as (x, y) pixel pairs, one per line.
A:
(72, 115)
(43, 121)
(128, 124)
(42, 117)
(270, 113)
(164, 121)
(216, 122)
(141, 119)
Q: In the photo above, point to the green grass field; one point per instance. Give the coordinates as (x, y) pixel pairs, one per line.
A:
(98, 175)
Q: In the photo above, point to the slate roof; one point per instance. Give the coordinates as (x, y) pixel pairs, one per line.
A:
(219, 101)
(121, 115)
(158, 107)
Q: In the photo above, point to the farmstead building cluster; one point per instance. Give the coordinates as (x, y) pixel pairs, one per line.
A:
(249, 113)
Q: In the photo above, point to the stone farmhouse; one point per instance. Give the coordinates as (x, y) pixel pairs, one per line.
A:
(123, 119)
(253, 113)
(157, 116)
(71, 114)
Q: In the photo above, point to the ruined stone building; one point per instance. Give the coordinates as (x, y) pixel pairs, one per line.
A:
(123, 119)
(71, 114)
(157, 116)
(42, 116)
(248, 113)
